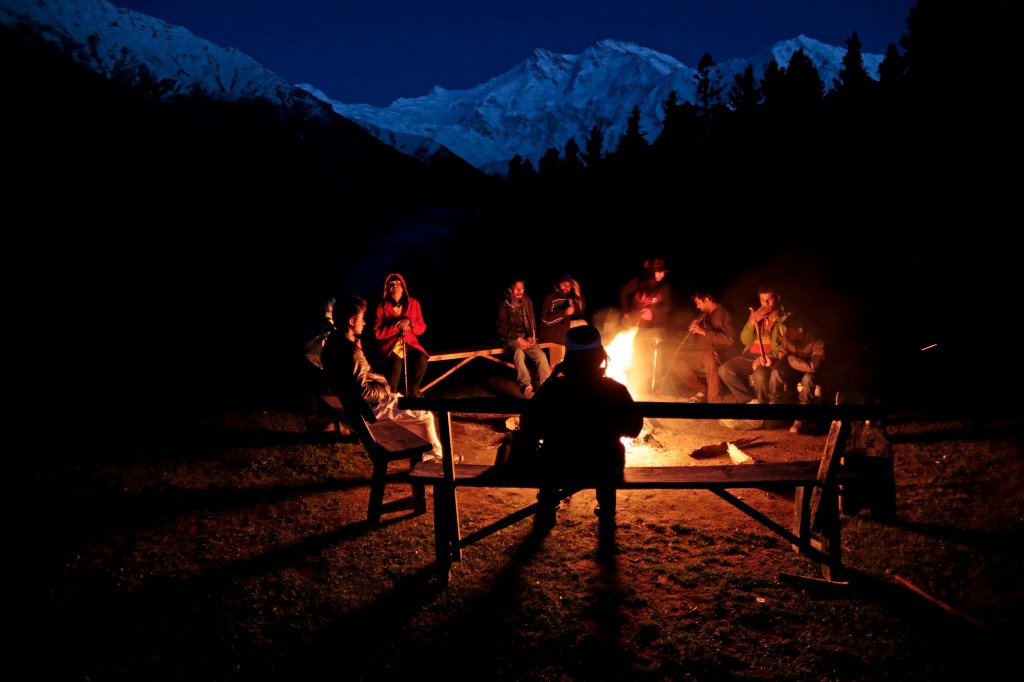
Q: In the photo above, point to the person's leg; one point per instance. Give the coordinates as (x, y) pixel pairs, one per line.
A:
(417, 362)
(776, 386)
(420, 422)
(735, 374)
(685, 367)
(712, 363)
(540, 359)
(393, 373)
(808, 384)
(606, 503)
(762, 377)
(522, 371)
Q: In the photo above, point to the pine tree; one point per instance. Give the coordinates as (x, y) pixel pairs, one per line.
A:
(571, 157)
(708, 104)
(520, 169)
(853, 83)
(745, 95)
(594, 150)
(633, 142)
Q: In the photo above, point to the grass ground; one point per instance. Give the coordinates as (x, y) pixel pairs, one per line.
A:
(238, 551)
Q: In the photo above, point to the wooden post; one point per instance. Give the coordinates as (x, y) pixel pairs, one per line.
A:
(448, 520)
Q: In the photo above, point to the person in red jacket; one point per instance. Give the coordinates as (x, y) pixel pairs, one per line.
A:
(397, 325)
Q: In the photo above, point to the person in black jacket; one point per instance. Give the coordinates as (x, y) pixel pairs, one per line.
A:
(581, 417)
(562, 308)
(517, 329)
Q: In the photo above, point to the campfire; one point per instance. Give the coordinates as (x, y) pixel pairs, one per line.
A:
(639, 450)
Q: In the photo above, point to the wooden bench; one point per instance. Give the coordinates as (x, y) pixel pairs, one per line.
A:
(338, 421)
(386, 442)
(465, 355)
(815, 527)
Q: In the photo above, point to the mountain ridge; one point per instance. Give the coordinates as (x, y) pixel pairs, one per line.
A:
(549, 98)
(537, 105)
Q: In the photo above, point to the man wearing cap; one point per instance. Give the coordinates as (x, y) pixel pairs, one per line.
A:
(581, 416)
(646, 303)
(563, 308)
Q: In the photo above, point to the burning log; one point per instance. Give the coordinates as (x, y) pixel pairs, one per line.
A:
(726, 448)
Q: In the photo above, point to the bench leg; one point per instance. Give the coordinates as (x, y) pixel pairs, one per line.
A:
(419, 490)
(830, 539)
(377, 482)
(444, 545)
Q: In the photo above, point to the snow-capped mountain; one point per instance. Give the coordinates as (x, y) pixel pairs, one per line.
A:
(540, 104)
(145, 51)
(550, 98)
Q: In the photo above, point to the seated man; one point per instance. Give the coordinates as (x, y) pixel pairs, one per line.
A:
(800, 358)
(347, 373)
(761, 337)
(709, 336)
(517, 328)
(582, 416)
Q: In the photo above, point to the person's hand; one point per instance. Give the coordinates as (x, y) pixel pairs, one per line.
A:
(647, 314)
(523, 343)
(576, 288)
(404, 323)
(757, 315)
(570, 310)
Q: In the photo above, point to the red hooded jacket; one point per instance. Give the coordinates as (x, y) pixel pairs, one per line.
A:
(385, 322)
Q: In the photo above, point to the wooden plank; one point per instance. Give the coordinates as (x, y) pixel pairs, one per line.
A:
(763, 475)
(665, 409)
(393, 437)
(467, 354)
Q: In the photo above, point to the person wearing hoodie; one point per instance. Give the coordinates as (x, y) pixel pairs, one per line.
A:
(397, 325)
(562, 308)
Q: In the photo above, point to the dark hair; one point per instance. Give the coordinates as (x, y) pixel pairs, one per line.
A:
(796, 321)
(768, 289)
(352, 307)
(701, 293)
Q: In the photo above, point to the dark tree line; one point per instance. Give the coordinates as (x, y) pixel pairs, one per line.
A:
(785, 140)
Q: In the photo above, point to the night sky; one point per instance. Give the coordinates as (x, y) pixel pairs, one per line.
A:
(376, 52)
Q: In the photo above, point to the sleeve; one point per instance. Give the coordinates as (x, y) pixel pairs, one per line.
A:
(810, 360)
(343, 370)
(776, 335)
(505, 333)
(549, 316)
(721, 332)
(748, 334)
(380, 332)
(415, 315)
(375, 389)
(531, 318)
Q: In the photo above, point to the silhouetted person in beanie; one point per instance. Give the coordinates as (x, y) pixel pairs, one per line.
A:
(581, 416)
